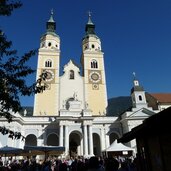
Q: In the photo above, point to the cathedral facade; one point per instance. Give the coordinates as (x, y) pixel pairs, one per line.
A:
(73, 110)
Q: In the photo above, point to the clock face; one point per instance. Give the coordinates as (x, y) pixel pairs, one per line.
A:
(95, 77)
(49, 75)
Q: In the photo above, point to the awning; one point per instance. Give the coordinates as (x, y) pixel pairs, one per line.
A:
(118, 147)
(44, 150)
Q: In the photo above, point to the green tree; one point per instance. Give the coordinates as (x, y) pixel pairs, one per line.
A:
(13, 71)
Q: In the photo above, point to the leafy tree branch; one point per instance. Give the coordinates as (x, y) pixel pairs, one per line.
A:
(13, 72)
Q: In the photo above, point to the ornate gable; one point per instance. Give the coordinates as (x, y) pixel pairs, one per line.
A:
(141, 113)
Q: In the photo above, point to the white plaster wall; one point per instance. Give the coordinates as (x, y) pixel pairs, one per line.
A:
(69, 87)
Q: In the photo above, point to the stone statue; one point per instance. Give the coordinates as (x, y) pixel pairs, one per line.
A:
(86, 105)
(64, 104)
(75, 96)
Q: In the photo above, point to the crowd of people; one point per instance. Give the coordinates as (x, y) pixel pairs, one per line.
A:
(78, 164)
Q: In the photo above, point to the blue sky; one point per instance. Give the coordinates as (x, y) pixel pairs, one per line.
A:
(135, 36)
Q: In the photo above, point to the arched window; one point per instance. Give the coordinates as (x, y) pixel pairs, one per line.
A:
(94, 64)
(48, 63)
(71, 74)
(112, 137)
(140, 98)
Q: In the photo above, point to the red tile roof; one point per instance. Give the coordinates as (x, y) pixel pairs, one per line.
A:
(162, 97)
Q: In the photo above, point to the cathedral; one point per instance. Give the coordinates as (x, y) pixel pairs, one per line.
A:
(74, 111)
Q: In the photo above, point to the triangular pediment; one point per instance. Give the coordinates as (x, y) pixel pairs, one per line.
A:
(143, 112)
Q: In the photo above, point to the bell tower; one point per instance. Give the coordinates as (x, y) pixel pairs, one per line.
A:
(138, 94)
(47, 103)
(93, 70)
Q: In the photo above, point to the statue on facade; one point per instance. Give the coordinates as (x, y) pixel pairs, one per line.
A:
(75, 96)
(86, 105)
(64, 104)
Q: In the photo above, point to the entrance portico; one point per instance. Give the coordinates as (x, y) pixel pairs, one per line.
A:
(77, 137)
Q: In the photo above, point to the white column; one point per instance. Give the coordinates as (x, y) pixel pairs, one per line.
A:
(85, 141)
(22, 143)
(107, 138)
(102, 139)
(61, 135)
(44, 137)
(40, 142)
(90, 140)
(81, 144)
(66, 140)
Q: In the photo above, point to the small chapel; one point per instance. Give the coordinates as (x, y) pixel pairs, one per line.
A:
(74, 110)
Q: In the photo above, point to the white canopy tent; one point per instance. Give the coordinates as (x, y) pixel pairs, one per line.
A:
(119, 148)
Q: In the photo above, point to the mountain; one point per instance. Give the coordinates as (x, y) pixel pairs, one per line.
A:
(118, 105)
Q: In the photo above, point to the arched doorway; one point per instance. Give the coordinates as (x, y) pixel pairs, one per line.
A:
(96, 144)
(112, 137)
(75, 144)
(31, 140)
(52, 140)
